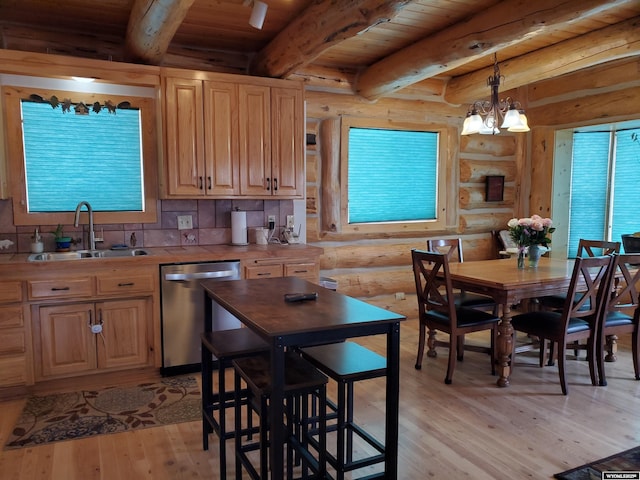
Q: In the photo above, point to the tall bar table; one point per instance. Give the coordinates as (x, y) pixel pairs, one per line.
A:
(259, 304)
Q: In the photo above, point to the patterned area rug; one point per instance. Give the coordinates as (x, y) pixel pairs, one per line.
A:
(627, 461)
(68, 416)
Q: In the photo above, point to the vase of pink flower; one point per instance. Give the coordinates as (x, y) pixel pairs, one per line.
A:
(529, 234)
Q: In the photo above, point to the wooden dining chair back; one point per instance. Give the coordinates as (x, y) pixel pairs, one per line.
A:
(579, 319)
(452, 248)
(438, 311)
(621, 314)
(586, 248)
(595, 248)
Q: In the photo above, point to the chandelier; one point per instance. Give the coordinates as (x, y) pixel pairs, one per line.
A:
(484, 116)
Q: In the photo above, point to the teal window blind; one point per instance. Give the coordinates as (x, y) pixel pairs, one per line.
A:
(70, 158)
(604, 185)
(392, 175)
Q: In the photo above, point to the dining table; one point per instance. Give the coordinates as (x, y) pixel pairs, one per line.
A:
(509, 285)
(330, 317)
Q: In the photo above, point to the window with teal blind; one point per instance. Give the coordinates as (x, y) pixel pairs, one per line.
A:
(70, 158)
(605, 175)
(392, 175)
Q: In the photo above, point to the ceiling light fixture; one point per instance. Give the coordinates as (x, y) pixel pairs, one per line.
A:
(258, 13)
(483, 116)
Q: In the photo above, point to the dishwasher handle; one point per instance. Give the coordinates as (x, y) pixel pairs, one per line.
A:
(181, 277)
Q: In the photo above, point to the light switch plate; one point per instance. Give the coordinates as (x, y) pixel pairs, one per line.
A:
(290, 221)
(185, 222)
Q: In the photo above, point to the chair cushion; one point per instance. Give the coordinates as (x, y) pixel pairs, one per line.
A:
(557, 301)
(546, 324)
(467, 317)
(467, 299)
(617, 319)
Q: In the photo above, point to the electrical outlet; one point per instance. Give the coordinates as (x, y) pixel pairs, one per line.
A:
(185, 222)
(272, 221)
(290, 222)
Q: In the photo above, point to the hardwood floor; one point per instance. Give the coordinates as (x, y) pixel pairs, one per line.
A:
(470, 429)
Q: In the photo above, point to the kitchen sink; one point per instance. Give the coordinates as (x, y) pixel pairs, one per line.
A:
(80, 254)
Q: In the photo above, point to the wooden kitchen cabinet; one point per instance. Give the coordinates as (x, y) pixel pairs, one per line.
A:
(13, 335)
(271, 141)
(201, 125)
(107, 326)
(229, 136)
(68, 346)
(306, 269)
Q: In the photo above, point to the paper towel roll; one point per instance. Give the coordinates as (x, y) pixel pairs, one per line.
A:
(239, 228)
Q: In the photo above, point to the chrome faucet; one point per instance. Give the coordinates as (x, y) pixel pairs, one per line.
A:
(92, 234)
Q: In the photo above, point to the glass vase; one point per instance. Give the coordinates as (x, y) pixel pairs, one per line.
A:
(520, 258)
(534, 256)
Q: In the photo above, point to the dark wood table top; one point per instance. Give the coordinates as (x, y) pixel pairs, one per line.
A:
(259, 303)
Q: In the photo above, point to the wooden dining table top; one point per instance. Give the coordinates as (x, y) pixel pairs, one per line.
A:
(503, 277)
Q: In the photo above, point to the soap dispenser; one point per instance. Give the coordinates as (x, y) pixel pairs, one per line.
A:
(37, 245)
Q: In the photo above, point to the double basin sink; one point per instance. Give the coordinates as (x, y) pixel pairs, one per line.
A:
(80, 254)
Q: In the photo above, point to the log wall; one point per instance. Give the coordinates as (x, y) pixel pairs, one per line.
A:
(378, 269)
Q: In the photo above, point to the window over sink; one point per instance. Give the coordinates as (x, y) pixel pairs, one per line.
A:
(64, 153)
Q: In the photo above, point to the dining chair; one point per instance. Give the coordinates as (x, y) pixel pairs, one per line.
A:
(621, 314)
(586, 248)
(438, 311)
(452, 248)
(578, 320)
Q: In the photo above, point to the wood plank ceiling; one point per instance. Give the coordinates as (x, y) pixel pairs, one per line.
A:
(377, 47)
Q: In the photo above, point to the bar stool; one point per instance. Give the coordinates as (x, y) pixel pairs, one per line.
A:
(303, 383)
(347, 363)
(219, 349)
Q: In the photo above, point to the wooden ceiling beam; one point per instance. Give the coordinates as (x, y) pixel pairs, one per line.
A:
(504, 24)
(614, 42)
(152, 25)
(320, 26)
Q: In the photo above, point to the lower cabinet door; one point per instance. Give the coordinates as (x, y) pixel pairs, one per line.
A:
(124, 340)
(67, 345)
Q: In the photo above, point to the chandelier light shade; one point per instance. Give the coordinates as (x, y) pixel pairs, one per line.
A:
(484, 116)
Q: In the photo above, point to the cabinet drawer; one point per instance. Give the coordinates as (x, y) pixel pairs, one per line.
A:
(11, 316)
(308, 271)
(10, 291)
(125, 283)
(62, 288)
(12, 341)
(13, 371)
(263, 271)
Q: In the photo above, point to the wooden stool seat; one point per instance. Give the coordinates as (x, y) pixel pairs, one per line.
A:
(347, 363)
(302, 382)
(219, 348)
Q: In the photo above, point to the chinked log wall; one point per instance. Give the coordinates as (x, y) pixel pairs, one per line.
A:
(378, 268)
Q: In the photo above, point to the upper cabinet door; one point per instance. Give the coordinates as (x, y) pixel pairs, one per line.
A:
(287, 136)
(221, 138)
(255, 140)
(184, 148)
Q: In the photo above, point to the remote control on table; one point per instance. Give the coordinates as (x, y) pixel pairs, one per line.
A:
(300, 297)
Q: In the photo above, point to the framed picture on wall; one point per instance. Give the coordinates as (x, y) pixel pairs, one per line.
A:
(495, 188)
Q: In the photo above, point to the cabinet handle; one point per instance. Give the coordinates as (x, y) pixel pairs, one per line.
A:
(209, 179)
(201, 184)
(130, 284)
(275, 184)
(265, 274)
(268, 183)
(90, 318)
(59, 289)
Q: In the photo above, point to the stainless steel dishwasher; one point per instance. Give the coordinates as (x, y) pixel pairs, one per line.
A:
(183, 311)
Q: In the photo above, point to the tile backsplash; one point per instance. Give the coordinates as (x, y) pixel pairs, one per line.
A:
(211, 225)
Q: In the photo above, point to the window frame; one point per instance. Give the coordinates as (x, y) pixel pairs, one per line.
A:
(445, 177)
(148, 110)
